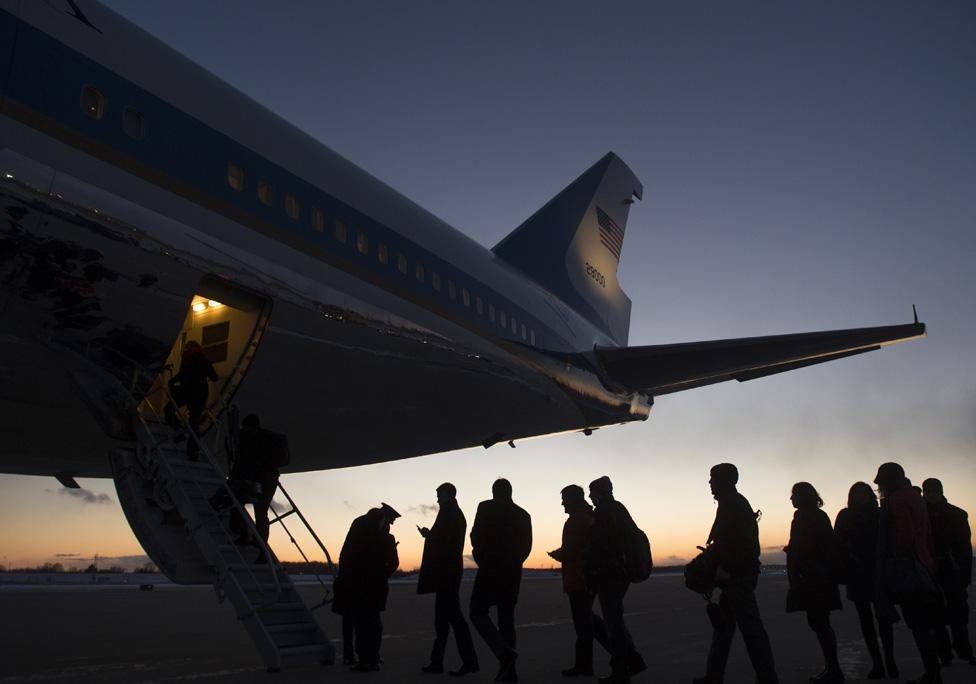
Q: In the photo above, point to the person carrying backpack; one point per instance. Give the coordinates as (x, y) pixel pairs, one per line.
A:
(609, 566)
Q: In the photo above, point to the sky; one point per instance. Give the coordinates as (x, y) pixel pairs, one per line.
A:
(805, 167)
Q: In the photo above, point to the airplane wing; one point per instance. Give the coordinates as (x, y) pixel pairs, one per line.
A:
(666, 368)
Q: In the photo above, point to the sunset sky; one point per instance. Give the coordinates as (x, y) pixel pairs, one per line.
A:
(805, 167)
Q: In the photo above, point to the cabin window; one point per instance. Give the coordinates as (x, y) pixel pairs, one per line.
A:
(451, 290)
(264, 192)
(465, 296)
(491, 313)
(514, 326)
(418, 272)
(133, 123)
(435, 281)
(235, 176)
(291, 206)
(532, 337)
(382, 253)
(362, 242)
(402, 263)
(92, 102)
(502, 319)
(318, 220)
(341, 232)
(479, 305)
(524, 332)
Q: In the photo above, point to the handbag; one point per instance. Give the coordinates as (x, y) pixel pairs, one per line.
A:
(700, 572)
(905, 578)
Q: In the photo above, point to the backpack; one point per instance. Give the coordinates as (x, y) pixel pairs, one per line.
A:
(638, 561)
(276, 449)
(700, 572)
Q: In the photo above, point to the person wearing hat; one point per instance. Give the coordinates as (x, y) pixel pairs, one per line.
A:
(954, 562)
(367, 560)
(190, 387)
(606, 570)
(905, 533)
(735, 538)
(501, 539)
(440, 574)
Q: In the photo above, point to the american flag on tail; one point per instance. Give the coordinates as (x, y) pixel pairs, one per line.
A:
(611, 235)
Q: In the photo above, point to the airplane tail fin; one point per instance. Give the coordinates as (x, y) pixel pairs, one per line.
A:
(572, 245)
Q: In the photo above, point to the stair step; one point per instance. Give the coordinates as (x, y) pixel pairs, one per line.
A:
(280, 607)
(292, 627)
(255, 568)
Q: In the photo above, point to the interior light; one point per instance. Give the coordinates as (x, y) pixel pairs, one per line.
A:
(199, 306)
(213, 304)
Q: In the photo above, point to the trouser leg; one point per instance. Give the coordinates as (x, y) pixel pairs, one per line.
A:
(486, 628)
(506, 622)
(742, 594)
(348, 638)
(611, 594)
(581, 608)
(920, 618)
(886, 631)
(865, 617)
(442, 628)
(819, 621)
(462, 634)
(957, 615)
(369, 633)
(261, 506)
(718, 652)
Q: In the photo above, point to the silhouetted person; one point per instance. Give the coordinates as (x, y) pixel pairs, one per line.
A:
(501, 539)
(606, 566)
(954, 564)
(856, 533)
(577, 531)
(905, 533)
(440, 574)
(189, 387)
(367, 560)
(735, 537)
(257, 463)
(810, 570)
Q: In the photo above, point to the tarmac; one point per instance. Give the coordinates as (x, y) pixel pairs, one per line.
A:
(117, 633)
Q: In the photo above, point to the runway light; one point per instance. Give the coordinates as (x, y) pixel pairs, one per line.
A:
(8, 175)
(213, 303)
(199, 306)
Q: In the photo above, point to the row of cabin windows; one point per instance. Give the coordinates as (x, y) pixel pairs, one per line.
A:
(93, 105)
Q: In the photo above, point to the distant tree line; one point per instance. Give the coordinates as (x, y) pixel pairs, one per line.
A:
(54, 568)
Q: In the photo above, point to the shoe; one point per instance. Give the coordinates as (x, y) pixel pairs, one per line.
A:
(466, 668)
(828, 677)
(433, 668)
(347, 660)
(877, 672)
(506, 669)
(577, 671)
(365, 667)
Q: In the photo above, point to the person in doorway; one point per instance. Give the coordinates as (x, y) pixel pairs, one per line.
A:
(954, 566)
(367, 560)
(856, 534)
(440, 574)
(606, 568)
(905, 534)
(501, 539)
(190, 387)
(812, 579)
(577, 531)
(735, 536)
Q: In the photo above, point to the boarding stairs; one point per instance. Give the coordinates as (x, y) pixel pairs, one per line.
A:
(167, 499)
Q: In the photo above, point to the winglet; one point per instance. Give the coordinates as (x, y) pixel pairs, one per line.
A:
(915, 314)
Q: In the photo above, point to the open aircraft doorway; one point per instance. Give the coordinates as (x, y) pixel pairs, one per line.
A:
(227, 321)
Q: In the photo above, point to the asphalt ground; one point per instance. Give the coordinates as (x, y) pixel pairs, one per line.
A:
(173, 634)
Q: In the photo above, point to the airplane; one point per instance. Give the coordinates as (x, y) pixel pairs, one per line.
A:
(146, 204)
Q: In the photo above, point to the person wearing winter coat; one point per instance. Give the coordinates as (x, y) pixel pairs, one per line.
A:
(810, 569)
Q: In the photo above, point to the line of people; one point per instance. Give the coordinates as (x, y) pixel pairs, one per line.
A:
(909, 553)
